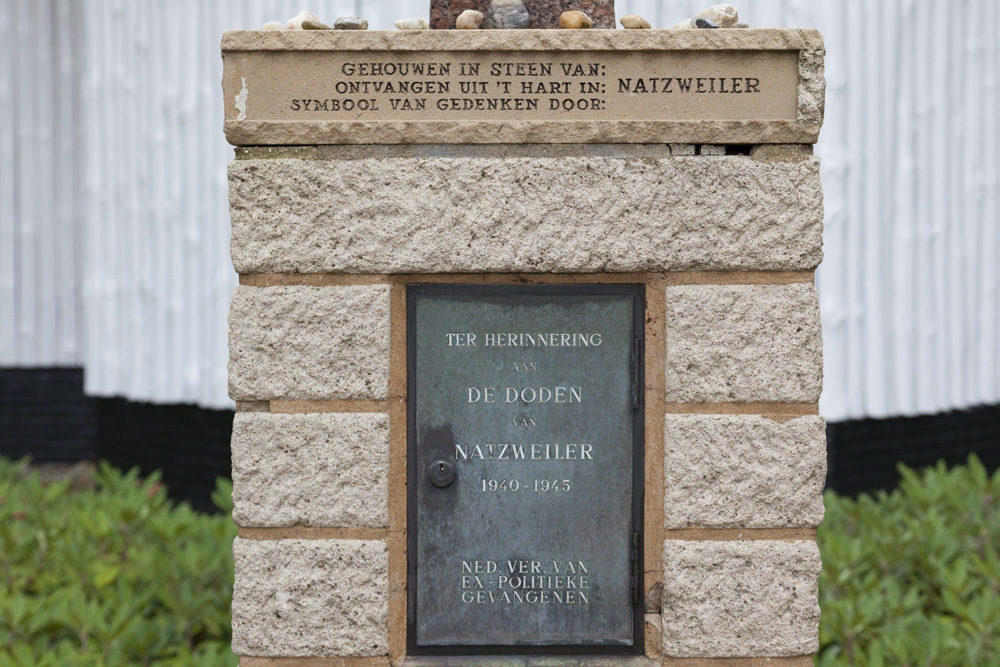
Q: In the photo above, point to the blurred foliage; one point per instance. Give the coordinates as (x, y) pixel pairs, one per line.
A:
(122, 576)
(115, 576)
(912, 577)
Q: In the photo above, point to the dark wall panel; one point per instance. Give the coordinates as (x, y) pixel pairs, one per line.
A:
(45, 414)
(190, 445)
(863, 454)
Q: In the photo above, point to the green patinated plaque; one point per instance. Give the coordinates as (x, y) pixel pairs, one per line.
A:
(524, 466)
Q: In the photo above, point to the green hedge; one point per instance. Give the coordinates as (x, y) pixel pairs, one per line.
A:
(122, 576)
(912, 577)
(117, 576)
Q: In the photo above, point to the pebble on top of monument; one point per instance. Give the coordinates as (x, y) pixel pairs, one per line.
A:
(746, 86)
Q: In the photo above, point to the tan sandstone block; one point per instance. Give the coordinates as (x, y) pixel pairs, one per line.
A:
(309, 343)
(310, 598)
(524, 214)
(744, 471)
(268, 68)
(311, 469)
(781, 152)
(740, 599)
(744, 343)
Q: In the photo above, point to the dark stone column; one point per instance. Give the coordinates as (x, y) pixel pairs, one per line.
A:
(544, 13)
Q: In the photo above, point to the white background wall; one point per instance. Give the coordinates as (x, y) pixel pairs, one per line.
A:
(114, 229)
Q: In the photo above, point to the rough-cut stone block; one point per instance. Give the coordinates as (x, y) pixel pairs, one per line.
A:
(812, 85)
(780, 152)
(571, 214)
(740, 599)
(743, 343)
(309, 343)
(544, 13)
(310, 598)
(311, 469)
(744, 471)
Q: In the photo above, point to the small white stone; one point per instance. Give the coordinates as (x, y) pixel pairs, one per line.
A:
(634, 22)
(724, 15)
(295, 23)
(469, 20)
(273, 25)
(686, 24)
(412, 24)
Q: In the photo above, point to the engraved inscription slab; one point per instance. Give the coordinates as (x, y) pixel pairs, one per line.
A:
(532, 86)
(523, 476)
(418, 85)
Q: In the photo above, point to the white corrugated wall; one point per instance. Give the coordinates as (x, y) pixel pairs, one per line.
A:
(41, 264)
(114, 232)
(157, 278)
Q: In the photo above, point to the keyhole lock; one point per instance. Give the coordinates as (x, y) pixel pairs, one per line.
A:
(441, 473)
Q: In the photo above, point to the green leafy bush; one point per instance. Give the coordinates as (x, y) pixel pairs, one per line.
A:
(116, 576)
(122, 576)
(912, 577)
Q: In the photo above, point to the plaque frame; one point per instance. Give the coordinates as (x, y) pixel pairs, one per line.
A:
(638, 361)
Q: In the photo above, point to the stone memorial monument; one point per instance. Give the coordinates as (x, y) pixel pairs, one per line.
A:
(526, 349)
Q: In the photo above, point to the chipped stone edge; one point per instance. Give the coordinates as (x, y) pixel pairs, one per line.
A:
(274, 132)
(756, 39)
(812, 86)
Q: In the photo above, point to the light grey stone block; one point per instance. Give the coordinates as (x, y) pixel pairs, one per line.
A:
(812, 85)
(744, 471)
(310, 469)
(298, 598)
(309, 343)
(524, 214)
(744, 343)
(713, 149)
(740, 599)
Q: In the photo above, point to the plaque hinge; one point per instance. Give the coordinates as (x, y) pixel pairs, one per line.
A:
(636, 355)
(635, 567)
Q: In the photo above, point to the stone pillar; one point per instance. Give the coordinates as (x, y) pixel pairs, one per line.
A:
(711, 201)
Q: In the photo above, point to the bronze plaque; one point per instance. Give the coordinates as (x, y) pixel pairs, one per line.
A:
(525, 467)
